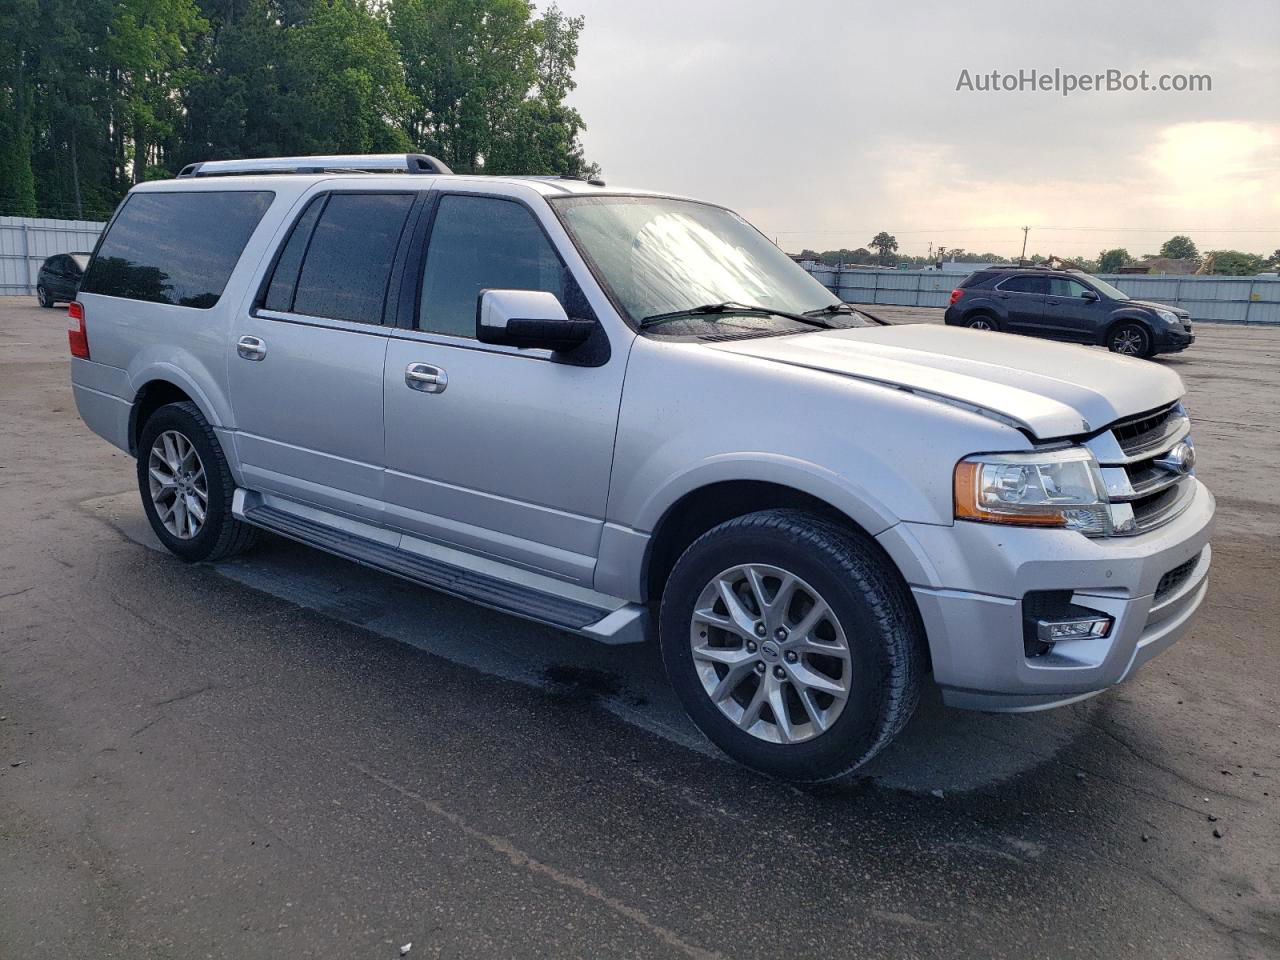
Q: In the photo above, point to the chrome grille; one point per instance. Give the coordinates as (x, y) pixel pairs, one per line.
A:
(1144, 494)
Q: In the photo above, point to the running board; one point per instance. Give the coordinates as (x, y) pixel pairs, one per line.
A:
(618, 624)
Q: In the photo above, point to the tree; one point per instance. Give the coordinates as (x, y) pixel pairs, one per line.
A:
(1274, 259)
(884, 244)
(1110, 261)
(1179, 248)
(1234, 263)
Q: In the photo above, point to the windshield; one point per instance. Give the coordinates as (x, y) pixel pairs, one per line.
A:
(1106, 289)
(657, 257)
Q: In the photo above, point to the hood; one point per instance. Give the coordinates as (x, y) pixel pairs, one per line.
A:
(1051, 389)
(1152, 305)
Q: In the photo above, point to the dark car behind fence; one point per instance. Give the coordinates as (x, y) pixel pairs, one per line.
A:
(1221, 299)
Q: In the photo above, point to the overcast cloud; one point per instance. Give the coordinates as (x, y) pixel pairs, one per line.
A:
(825, 122)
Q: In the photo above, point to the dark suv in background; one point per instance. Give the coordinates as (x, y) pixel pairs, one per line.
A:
(60, 277)
(1067, 305)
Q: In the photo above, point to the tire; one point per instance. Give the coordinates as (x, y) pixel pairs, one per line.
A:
(982, 321)
(160, 445)
(1131, 340)
(871, 611)
(43, 296)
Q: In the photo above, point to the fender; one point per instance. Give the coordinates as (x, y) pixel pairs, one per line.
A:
(842, 492)
(184, 370)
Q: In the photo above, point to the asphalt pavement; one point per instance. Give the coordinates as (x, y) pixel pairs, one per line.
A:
(286, 755)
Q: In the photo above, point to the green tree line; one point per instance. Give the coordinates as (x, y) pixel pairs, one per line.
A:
(96, 95)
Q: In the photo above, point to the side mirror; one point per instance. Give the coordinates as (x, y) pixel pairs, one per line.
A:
(1089, 295)
(528, 319)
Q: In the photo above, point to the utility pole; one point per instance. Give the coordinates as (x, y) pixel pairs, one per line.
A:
(1022, 259)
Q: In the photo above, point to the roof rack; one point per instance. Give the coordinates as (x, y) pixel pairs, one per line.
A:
(337, 163)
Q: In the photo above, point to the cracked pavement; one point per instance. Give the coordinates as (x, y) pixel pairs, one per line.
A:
(286, 754)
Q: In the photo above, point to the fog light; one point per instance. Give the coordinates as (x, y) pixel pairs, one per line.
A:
(1074, 628)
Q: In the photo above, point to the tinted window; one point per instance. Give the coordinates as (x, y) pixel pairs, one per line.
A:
(979, 279)
(481, 243)
(1026, 285)
(1061, 287)
(176, 247)
(348, 262)
(285, 276)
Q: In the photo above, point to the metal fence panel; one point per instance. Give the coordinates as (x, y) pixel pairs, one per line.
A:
(1225, 299)
(26, 241)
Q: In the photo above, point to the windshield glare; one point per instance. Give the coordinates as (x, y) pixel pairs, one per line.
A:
(658, 256)
(1107, 290)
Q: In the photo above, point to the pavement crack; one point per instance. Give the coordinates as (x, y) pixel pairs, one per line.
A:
(183, 695)
(1177, 775)
(16, 593)
(519, 858)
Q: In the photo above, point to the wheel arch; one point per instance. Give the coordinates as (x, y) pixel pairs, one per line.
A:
(154, 394)
(1124, 318)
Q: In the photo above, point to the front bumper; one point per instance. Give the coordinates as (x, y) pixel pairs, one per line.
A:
(1172, 339)
(969, 579)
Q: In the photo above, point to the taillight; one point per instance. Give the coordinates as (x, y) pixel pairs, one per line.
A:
(76, 334)
(956, 294)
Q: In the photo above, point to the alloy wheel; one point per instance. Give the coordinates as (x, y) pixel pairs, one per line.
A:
(178, 484)
(980, 324)
(771, 653)
(1130, 341)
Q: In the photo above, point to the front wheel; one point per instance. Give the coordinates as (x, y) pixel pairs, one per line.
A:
(792, 644)
(1130, 340)
(186, 486)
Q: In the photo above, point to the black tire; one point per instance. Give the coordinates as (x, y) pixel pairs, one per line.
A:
(221, 534)
(874, 607)
(1131, 339)
(982, 321)
(43, 296)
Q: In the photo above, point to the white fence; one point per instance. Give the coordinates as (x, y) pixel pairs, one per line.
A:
(26, 241)
(1224, 299)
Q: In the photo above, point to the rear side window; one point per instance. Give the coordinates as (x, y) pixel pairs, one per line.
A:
(1026, 285)
(284, 279)
(347, 264)
(982, 278)
(176, 247)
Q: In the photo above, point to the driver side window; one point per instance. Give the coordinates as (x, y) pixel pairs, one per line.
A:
(486, 243)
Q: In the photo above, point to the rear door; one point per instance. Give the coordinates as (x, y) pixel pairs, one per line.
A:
(305, 361)
(509, 456)
(1068, 315)
(1023, 299)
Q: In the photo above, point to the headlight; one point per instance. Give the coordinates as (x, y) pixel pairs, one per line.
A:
(1169, 317)
(1060, 488)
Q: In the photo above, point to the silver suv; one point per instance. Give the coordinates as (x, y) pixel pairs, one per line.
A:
(622, 414)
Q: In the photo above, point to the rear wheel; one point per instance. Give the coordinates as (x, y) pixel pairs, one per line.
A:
(186, 486)
(1130, 340)
(792, 644)
(43, 296)
(982, 322)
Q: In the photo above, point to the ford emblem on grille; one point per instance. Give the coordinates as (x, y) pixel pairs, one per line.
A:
(1180, 459)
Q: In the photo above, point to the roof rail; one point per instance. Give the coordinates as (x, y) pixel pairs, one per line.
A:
(357, 162)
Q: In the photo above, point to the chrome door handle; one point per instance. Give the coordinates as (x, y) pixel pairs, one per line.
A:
(425, 377)
(251, 348)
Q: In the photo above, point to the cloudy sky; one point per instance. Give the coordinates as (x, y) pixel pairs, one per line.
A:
(825, 122)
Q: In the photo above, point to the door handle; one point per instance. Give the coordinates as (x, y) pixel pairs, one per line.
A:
(251, 348)
(425, 377)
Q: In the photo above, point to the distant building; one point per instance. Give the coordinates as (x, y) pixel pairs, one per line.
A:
(1165, 265)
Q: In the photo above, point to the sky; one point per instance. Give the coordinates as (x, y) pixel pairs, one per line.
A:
(826, 122)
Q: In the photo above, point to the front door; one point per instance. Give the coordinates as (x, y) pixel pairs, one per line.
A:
(1023, 300)
(1069, 315)
(306, 363)
(507, 452)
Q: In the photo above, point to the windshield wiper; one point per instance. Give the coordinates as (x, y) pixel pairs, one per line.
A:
(730, 306)
(844, 309)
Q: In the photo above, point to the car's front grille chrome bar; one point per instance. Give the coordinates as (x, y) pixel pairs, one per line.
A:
(1145, 491)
